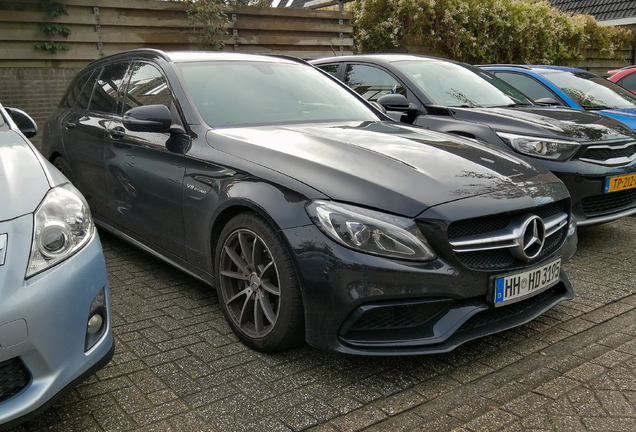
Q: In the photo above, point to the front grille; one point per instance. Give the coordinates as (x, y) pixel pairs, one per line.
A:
(392, 317)
(471, 227)
(603, 154)
(609, 203)
(497, 314)
(486, 224)
(13, 378)
(501, 258)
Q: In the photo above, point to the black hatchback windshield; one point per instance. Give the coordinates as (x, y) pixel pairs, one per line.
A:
(254, 92)
(450, 84)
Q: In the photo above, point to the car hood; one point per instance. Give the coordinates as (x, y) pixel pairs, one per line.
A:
(23, 182)
(383, 165)
(581, 126)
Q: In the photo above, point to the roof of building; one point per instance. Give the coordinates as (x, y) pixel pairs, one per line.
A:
(602, 10)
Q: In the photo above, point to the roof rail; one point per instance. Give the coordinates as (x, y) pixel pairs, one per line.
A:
(289, 57)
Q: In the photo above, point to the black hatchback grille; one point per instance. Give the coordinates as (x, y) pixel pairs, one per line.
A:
(602, 154)
(609, 203)
(497, 314)
(13, 378)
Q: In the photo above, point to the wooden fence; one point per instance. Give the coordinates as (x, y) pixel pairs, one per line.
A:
(103, 27)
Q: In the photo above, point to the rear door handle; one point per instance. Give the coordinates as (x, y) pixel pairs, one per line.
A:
(117, 132)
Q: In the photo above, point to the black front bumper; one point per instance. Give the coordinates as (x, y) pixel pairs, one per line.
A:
(362, 304)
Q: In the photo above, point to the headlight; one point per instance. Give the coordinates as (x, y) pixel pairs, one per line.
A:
(545, 148)
(370, 231)
(62, 226)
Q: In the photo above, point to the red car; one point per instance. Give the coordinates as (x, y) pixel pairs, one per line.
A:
(624, 77)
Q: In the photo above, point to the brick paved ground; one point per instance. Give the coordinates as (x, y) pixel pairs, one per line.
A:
(178, 367)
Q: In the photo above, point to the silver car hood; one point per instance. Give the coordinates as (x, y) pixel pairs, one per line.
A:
(23, 182)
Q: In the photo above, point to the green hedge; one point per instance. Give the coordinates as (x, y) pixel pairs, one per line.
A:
(483, 31)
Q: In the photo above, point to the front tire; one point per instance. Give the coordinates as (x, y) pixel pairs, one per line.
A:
(257, 285)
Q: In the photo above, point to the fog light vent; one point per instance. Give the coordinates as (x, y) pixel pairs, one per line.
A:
(13, 378)
(97, 322)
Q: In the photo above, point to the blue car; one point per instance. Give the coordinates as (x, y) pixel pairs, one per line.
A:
(55, 317)
(570, 87)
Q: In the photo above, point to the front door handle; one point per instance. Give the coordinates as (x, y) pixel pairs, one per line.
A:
(117, 132)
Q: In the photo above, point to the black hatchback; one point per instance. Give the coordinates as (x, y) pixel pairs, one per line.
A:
(592, 154)
(316, 217)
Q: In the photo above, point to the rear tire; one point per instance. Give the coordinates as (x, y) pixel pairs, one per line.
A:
(257, 285)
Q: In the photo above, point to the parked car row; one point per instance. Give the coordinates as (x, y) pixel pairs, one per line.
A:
(592, 154)
(316, 215)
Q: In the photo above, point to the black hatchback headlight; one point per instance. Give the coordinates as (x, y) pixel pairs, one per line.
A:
(371, 231)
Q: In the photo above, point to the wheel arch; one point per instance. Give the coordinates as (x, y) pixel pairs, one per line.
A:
(233, 208)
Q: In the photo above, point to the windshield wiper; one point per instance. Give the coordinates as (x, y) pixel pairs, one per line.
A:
(511, 105)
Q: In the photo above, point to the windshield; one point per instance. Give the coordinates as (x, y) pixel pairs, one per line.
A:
(257, 92)
(450, 84)
(591, 91)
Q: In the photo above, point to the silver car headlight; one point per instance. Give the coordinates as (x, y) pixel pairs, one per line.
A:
(62, 226)
(371, 231)
(546, 148)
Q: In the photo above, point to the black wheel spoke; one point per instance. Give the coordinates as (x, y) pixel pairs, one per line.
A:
(234, 275)
(245, 293)
(266, 309)
(259, 325)
(257, 253)
(265, 269)
(245, 310)
(246, 248)
(270, 287)
(242, 265)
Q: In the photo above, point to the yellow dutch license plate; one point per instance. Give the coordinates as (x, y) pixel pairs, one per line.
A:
(619, 183)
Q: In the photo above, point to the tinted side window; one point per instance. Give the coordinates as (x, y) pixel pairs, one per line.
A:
(629, 81)
(147, 87)
(107, 95)
(527, 85)
(331, 69)
(371, 82)
(80, 91)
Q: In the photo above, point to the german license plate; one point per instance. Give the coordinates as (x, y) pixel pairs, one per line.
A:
(517, 286)
(618, 183)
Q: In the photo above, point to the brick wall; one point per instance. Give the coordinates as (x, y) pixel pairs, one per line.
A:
(34, 90)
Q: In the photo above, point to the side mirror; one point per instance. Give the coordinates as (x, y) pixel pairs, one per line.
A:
(148, 118)
(23, 121)
(397, 102)
(546, 101)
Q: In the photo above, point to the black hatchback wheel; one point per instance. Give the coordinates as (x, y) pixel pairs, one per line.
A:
(257, 285)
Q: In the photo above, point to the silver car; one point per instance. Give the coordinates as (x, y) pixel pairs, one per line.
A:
(55, 318)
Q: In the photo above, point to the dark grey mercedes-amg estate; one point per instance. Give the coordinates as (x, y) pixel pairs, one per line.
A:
(316, 217)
